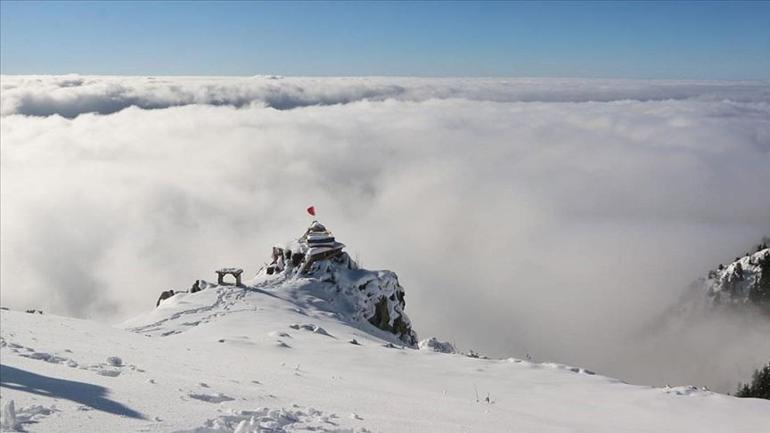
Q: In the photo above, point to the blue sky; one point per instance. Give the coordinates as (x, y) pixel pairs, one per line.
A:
(706, 40)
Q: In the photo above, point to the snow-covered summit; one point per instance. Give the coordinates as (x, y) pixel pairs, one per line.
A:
(314, 270)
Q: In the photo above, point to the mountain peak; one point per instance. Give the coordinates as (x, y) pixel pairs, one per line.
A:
(314, 272)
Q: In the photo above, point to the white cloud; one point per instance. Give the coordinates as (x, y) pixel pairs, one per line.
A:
(518, 220)
(72, 95)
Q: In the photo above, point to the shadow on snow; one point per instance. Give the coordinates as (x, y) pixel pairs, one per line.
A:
(87, 394)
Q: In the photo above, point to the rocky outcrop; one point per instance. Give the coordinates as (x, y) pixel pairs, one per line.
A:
(373, 297)
(163, 296)
(745, 281)
(368, 297)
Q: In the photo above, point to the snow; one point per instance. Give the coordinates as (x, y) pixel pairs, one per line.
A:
(274, 421)
(230, 270)
(436, 345)
(276, 356)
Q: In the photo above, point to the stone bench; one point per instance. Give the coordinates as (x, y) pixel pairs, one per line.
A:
(235, 272)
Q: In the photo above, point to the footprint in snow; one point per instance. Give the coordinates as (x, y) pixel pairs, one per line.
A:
(108, 373)
(211, 398)
(279, 334)
(43, 356)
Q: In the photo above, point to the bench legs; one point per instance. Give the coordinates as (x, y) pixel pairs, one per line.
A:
(221, 278)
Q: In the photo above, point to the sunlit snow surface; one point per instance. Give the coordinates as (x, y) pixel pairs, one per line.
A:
(272, 357)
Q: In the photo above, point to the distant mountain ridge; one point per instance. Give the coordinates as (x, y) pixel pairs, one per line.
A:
(743, 282)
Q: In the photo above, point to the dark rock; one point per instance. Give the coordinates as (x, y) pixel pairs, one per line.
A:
(196, 287)
(400, 327)
(163, 296)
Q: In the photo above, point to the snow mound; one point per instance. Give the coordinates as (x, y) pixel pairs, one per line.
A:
(435, 345)
(686, 390)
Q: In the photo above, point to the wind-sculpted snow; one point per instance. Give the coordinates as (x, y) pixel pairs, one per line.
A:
(70, 96)
(549, 217)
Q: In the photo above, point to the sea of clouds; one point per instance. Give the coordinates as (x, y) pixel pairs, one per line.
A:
(555, 217)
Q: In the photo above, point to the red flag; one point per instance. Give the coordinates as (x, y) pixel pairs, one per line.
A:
(311, 210)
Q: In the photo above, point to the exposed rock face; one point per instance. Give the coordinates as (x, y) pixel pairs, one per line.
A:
(163, 296)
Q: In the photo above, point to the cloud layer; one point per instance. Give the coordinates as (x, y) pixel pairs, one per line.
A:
(72, 95)
(551, 217)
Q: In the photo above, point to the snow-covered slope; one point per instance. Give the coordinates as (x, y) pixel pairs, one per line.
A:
(313, 343)
(272, 356)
